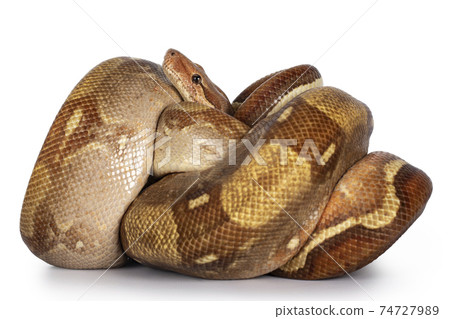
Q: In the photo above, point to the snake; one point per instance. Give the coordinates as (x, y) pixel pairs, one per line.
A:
(153, 163)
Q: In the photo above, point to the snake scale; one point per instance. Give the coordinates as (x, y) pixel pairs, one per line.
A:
(279, 181)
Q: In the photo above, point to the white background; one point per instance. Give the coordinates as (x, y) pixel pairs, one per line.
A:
(393, 56)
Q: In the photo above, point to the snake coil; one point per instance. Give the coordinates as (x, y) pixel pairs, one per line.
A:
(279, 181)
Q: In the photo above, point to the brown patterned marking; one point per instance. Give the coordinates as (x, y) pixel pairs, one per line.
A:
(185, 122)
(242, 224)
(73, 122)
(370, 208)
(229, 224)
(282, 101)
(276, 91)
(378, 218)
(237, 102)
(86, 173)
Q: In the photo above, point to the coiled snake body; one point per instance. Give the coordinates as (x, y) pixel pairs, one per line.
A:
(283, 186)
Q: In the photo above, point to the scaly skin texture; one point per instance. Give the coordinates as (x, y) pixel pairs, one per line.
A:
(191, 81)
(273, 92)
(284, 212)
(232, 222)
(373, 204)
(93, 164)
(210, 130)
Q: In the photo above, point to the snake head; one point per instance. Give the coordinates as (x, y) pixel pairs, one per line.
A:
(191, 81)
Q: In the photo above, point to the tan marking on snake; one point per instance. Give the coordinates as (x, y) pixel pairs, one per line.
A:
(306, 169)
(392, 168)
(280, 102)
(93, 146)
(236, 191)
(377, 219)
(248, 244)
(284, 116)
(343, 189)
(79, 244)
(293, 243)
(169, 247)
(199, 201)
(123, 142)
(314, 215)
(338, 117)
(64, 226)
(117, 98)
(391, 203)
(109, 120)
(73, 122)
(206, 259)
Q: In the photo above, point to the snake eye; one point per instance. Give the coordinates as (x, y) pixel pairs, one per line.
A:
(196, 79)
